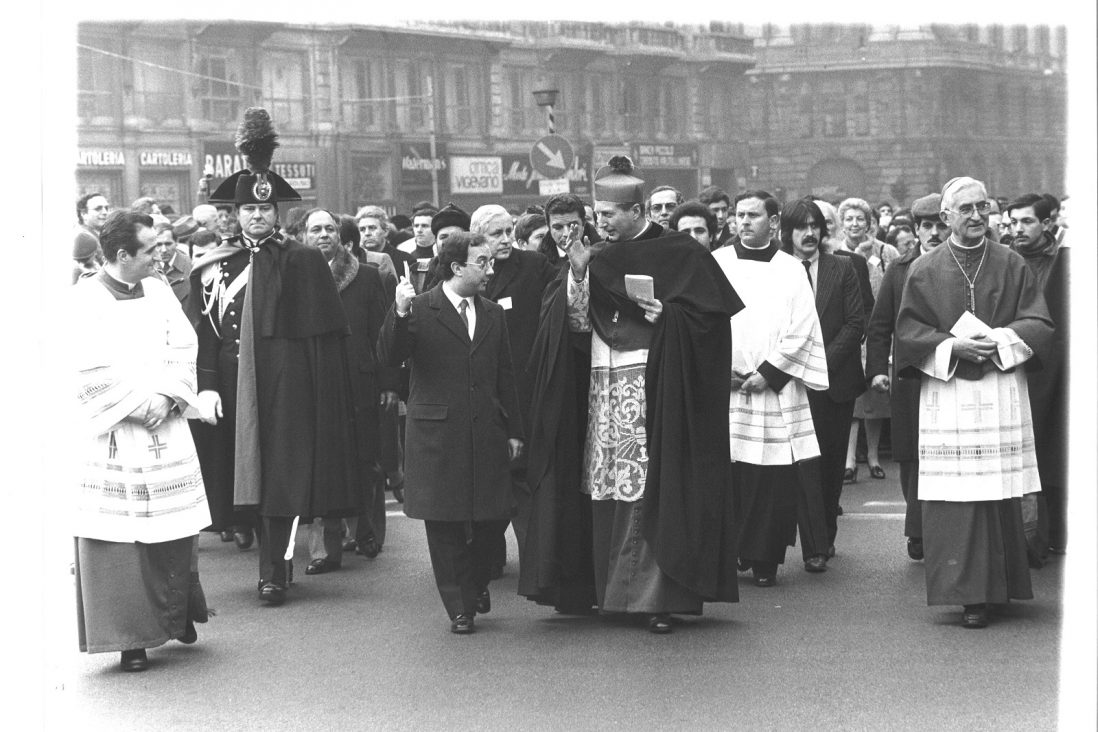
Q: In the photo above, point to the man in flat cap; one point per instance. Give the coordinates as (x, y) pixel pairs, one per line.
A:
(931, 231)
(272, 368)
(655, 457)
(971, 314)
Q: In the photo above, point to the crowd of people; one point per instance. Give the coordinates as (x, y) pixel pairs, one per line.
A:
(658, 394)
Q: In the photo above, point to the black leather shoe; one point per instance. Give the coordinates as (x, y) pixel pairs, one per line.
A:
(915, 549)
(320, 566)
(484, 602)
(272, 594)
(135, 660)
(463, 625)
(831, 551)
(243, 539)
(659, 624)
(190, 634)
(743, 565)
(765, 580)
(349, 545)
(369, 549)
(817, 563)
(226, 536)
(974, 616)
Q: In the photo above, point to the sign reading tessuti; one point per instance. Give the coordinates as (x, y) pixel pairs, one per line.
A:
(551, 156)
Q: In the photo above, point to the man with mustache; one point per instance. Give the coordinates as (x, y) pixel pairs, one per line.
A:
(905, 392)
(777, 355)
(842, 322)
(972, 313)
(1031, 221)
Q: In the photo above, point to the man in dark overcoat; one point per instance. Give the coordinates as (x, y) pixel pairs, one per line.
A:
(272, 367)
(464, 425)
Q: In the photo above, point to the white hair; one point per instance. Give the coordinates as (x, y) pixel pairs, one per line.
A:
(955, 186)
(205, 214)
(480, 219)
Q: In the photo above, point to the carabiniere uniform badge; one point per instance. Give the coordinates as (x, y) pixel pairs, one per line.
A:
(262, 188)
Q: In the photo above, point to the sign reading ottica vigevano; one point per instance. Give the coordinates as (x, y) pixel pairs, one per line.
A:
(475, 175)
(416, 163)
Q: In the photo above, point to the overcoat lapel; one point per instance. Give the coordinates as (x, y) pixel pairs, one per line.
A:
(500, 280)
(825, 274)
(447, 315)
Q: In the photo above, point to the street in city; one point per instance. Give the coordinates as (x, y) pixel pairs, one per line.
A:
(369, 647)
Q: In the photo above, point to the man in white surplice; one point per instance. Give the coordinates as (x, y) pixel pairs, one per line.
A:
(777, 354)
(971, 316)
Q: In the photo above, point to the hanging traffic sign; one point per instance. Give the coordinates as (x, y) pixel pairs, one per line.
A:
(551, 156)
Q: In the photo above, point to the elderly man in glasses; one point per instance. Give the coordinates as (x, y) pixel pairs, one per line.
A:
(972, 313)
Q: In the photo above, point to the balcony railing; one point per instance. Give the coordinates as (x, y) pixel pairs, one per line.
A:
(291, 112)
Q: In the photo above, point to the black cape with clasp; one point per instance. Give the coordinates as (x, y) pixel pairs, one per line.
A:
(688, 517)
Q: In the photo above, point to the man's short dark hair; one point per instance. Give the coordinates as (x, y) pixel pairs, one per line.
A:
(456, 249)
(713, 194)
(693, 208)
(82, 205)
(400, 221)
(349, 234)
(882, 204)
(305, 219)
(428, 211)
(1053, 202)
(527, 224)
(563, 204)
(1041, 206)
(120, 232)
(773, 208)
(799, 213)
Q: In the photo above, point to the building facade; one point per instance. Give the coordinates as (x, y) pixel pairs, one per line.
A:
(418, 111)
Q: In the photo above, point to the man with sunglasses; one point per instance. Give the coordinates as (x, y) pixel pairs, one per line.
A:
(930, 230)
(972, 313)
(464, 424)
(661, 202)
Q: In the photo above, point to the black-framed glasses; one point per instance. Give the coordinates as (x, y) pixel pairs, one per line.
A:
(966, 209)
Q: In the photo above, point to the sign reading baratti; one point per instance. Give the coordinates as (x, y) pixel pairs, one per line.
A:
(100, 158)
(520, 179)
(416, 163)
(165, 159)
(665, 156)
(222, 159)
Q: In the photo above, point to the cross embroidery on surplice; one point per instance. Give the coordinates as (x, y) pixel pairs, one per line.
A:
(978, 408)
(933, 407)
(1014, 402)
(157, 446)
(112, 447)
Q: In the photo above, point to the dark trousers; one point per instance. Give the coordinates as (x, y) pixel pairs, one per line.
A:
(811, 515)
(909, 484)
(371, 522)
(274, 536)
(832, 422)
(461, 557)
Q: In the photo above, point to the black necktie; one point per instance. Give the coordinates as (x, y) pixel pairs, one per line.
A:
(807, 270)
(462, 307)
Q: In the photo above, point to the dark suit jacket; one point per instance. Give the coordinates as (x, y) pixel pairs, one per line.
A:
(842, 320)
(861, 268)
(178, 277)
(462, 408)
(905, 392)
(517, 285)
(724, 236)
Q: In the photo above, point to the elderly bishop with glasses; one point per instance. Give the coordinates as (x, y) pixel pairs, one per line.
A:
(972, 320)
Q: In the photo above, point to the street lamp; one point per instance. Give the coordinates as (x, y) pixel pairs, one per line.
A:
(547, 98)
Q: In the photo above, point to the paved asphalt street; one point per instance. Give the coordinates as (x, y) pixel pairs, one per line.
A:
(369, 647)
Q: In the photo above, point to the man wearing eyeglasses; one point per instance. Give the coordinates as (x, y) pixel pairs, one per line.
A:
(661, 202)
(972, 313)
(930, 230)
(464, 424)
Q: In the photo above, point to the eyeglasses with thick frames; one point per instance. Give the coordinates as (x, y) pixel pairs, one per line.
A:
(966, 209)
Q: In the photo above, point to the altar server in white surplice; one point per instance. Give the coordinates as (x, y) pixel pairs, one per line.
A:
(777, 355)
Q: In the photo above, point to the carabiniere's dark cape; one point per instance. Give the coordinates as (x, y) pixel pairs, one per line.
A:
(689, 514)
